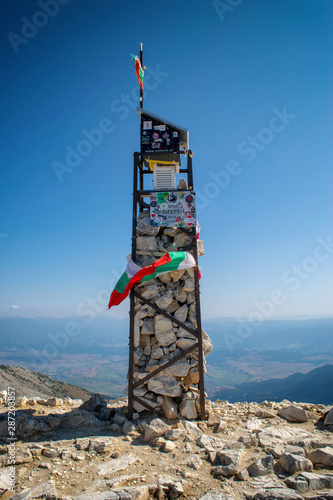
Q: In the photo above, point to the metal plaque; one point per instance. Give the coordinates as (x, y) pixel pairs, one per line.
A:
(173, 209)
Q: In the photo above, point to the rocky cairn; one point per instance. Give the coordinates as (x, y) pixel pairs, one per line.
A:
(157, 339)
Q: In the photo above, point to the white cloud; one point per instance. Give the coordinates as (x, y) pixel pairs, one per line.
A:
(15, 307)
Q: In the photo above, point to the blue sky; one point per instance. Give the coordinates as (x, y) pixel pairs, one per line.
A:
(253, 83)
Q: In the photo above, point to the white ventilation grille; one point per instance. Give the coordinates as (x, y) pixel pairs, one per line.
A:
(164, 178)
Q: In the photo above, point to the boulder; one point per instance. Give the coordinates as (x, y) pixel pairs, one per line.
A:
(270, 436)
(147, 327)
(100, 445)
(54, 402)
(293, 413)
(179, 369)
(155, 429)
(184, 343)
(298, 483)
(229, 460)
(163, 330)
(200, 248)
(156, 352)
(166, 385)
(192, 429)
(95, 403)
(146, 243)
(329, 418)
(181, 313)
(176, 275)
(170, 408)
(295, 463)
(164, 301)
(182, 240)
(322, 456)
(168, 446)
(262, 466)
(274, 494)
(213, 419)
(175, 434)
(180, 295)
(187, 409)
(182, 184)
(145, 227)
(316, 481)
(189, 285)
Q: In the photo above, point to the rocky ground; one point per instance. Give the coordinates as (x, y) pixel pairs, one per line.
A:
(243, 451)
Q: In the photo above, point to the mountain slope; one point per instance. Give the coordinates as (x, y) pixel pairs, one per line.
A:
(313, 387)
(29, 383)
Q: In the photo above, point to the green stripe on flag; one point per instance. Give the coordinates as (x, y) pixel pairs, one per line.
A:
(122, 283)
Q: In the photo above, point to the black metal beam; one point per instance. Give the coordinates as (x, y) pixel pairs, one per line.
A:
(163, 367)
(132, 304)
(143, 403)
(167, 315)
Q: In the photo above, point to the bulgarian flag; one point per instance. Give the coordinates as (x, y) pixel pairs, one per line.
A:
(138, 70)
(134, 274)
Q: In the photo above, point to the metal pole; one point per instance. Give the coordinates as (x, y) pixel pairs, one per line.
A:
(198, 317)
(141, 89)
(132, 302)
(189, 170)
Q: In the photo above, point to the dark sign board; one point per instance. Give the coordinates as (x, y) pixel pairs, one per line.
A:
(157, 136)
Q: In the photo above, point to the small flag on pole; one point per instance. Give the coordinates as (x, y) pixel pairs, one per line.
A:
(138, 70)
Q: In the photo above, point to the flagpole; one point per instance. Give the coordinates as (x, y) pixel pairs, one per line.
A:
(141, 89)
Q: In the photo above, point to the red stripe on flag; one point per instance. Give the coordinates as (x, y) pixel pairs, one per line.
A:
(116, 297)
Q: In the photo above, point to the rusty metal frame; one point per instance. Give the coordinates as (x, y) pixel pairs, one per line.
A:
(196, 332)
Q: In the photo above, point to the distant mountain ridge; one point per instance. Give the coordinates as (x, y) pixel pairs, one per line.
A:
(32, 384)
(313, 387)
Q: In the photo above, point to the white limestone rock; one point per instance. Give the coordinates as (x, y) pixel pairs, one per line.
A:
(170, 409)
(293, 413)
(146, 243)
(167, 385)
(188, 409)
(181, 313)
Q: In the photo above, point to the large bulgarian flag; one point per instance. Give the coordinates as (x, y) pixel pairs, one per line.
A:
(171, 261)
(138, 69)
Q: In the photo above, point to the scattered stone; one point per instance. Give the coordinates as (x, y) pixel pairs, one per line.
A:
(229, 460)
(168, 446)
(293, 413)
(188, 409)
(175, 434)
(194, 462)
(43, 490)
(295, 463)
(322, 456)
(100, 445)
(279, 494)
(54, 402)
(155, 429)
(117, 464)
(213, 419)
(329, 418)
(262, 466)
(243, 475)
(95, 403)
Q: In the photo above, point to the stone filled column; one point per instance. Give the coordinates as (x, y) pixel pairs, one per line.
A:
(156, 338)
